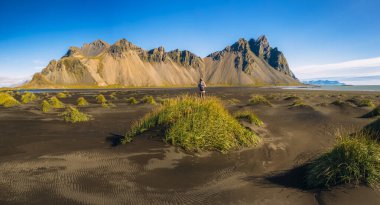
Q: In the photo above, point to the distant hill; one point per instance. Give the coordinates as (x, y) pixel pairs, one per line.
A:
(251, 62)
(323, 82)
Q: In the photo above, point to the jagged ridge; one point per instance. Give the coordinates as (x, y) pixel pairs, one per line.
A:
(123, 63)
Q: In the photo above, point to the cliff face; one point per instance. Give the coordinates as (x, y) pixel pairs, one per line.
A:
(123, 63)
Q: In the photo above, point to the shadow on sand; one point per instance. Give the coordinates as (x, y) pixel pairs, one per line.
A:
(114, 139)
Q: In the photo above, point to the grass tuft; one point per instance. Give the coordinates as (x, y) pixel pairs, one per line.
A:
(258, 100)
(7, 100)
(81, 101)
(45, 106)
(249, 116)
(148, 99)
(28, 97)
(195, 124)
(361, 102)
(61, 95)
(73, 115)
(113, 96)
(132, 100)
(56, 103)
(101, 99)
(354, 159)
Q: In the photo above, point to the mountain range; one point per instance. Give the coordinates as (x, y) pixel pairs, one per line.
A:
(246, 62)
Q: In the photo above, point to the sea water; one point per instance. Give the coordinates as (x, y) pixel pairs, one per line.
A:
(337, 87)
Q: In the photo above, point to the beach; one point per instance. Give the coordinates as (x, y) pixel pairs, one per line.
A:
(44, 159)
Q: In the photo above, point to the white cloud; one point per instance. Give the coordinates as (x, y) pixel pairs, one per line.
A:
(13, 81)
(342, 70)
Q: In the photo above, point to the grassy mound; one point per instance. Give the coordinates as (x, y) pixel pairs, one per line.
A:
(101, 99)
(81, 101)
(374, 113)
(148, 99)
(258, 100)
(45, 106)
(292, 97)
(354, 159)
(249, 116)
(195, 124)
(56, 103)
(73, 115)
(361, 102)
(61, 95)
(8, 100)
(28, 97)
(132, 100)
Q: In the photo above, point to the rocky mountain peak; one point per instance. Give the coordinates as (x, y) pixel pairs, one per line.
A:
(240, 45)
(157, 54)
(185, 58)
(121, 46)
(72, 51)
(95, 48)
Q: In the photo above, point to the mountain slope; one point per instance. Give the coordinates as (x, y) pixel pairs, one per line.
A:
(123, 63)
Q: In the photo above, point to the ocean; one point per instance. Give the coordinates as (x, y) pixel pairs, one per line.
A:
(336, 87)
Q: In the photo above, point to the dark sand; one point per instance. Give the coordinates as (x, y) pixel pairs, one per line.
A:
(44, 160)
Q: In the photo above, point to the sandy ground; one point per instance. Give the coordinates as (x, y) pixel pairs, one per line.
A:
(45, 160)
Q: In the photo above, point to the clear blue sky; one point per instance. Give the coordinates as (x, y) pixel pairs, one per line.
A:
(309, 32)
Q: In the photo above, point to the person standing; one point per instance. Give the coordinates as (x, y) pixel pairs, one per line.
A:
(202, 88)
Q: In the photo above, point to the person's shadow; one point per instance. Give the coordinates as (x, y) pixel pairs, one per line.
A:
(114, 139)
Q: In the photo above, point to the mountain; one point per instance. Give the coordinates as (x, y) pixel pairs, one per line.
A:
(323, 82)
(251, 62)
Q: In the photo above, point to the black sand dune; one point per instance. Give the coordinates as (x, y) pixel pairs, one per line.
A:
(44, 160)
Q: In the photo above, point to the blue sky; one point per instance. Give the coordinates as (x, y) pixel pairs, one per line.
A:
(335, 39)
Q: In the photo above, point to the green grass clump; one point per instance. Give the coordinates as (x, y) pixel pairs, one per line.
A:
(7, 100)
(361, 102)
(249, 116)
(113, 96)
(45, 106)
(61, 95)
(132, 100)
(81, 101)
(73, 115)
(56, 103)
(101, 99)
(148, 99)
(258, 100)
(195, 124)
(354, 159)
(299, 103)
(28, 97)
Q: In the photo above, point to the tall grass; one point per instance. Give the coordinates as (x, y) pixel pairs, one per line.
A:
(354, 159)
(7, 100)
(195, 124)
(28, 97)
(73, 115)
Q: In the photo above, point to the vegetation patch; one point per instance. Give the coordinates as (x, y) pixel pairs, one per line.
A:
(81, 101)
(113, 96)
(7, 100)
(299, 104)
(45, 106)
(56, 103)
(148, 99)
(258, 100)
(374, 113)
(28, 97)
(292, 97)
(195, 124)
(101, 99)
(361, 102)
(61, 95)
(249, 116)
(354, 159)
(132, 100)
(73, 115)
